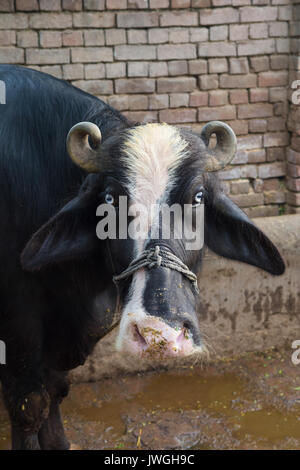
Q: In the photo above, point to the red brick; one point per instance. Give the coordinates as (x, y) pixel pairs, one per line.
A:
(116, 4)
(72, 5)
(218, 113)
(94, 20)
(115, 37)
(238, 32)
(196, 67)
(259, 64)
(247, 200)
(180, 3)
(255, 110)
(7, 5)
(137, 102)
(252, 14)
(13, 21)
(11, 55)
(258, 125)
(218, 97)
(239, 126)
(258, 95)
(137, 19)
(141, 116)
(199, 99)
(178, 51)
(158, 69)
(217, 65)
(50, 20)
(137, 36)
(222, 49)
(158, 101)
(94, 4)
(256, 156)
(135, 52)
(154, 4)
(177, 67)
(8, 38)
(278, 94)
(219, 16)
(238, 66)
(158, 35)
(258, 46)
(179, 100)
(178, 18)
(240, 187)
(277, 123)
(94, 37)
(277, 139)
(238, 96)
(137, 4)
(91, 54)
(178, 35)
(271, 170)
(135, 85)
(293, 198)
(72, 38)
(208, 82)
(119, 102)
(278, 28)
(258, 30)
(115, 70)
(218, 33)
(138, 69)
(279, 62)
(293, 170)
(273, 79)
(94, 71)
(50, 39)
(250, 142)
(198, 34)
(95, 87)
(47, 56)
(293, 157)
(238, 81)
(174, 116)
(176, 85)
(73, 71)
(27, 5)
(293, 184)
(275, 154)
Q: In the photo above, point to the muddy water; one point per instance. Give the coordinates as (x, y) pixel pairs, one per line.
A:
(251, 402)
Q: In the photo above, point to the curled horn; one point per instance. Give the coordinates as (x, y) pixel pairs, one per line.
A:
(79, 148)
(225, 148)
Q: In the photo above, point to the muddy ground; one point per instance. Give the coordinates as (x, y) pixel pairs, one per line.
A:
(248, 402)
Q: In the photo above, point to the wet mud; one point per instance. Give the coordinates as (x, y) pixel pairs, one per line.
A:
(248, 402)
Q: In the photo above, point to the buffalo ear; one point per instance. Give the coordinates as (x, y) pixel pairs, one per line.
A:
(69, 235)
(230, 233)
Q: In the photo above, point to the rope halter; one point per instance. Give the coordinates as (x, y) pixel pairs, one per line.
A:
(156, 257)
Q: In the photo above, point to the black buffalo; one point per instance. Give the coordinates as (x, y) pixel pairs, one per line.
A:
(57, 295)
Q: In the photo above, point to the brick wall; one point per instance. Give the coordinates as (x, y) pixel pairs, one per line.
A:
(184, 62)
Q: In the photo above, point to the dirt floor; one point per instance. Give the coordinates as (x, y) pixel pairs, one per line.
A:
(248, 402)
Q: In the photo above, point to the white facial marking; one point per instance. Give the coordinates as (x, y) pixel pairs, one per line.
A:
(152, 153)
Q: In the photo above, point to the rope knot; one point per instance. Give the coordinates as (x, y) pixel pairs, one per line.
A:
(154, 259)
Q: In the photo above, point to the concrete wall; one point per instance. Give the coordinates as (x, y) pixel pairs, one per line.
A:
(245, 309)
(178, 61)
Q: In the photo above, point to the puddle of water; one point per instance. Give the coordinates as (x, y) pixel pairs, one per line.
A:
(96, 410)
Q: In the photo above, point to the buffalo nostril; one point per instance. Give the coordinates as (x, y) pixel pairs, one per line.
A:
(139, 338)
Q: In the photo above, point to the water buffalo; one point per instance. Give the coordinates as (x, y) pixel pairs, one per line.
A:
(57, 295)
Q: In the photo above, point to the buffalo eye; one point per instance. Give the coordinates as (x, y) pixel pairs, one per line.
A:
(109, 199)
(198, 198)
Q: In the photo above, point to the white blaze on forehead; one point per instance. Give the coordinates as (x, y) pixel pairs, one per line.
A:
(152, 153)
